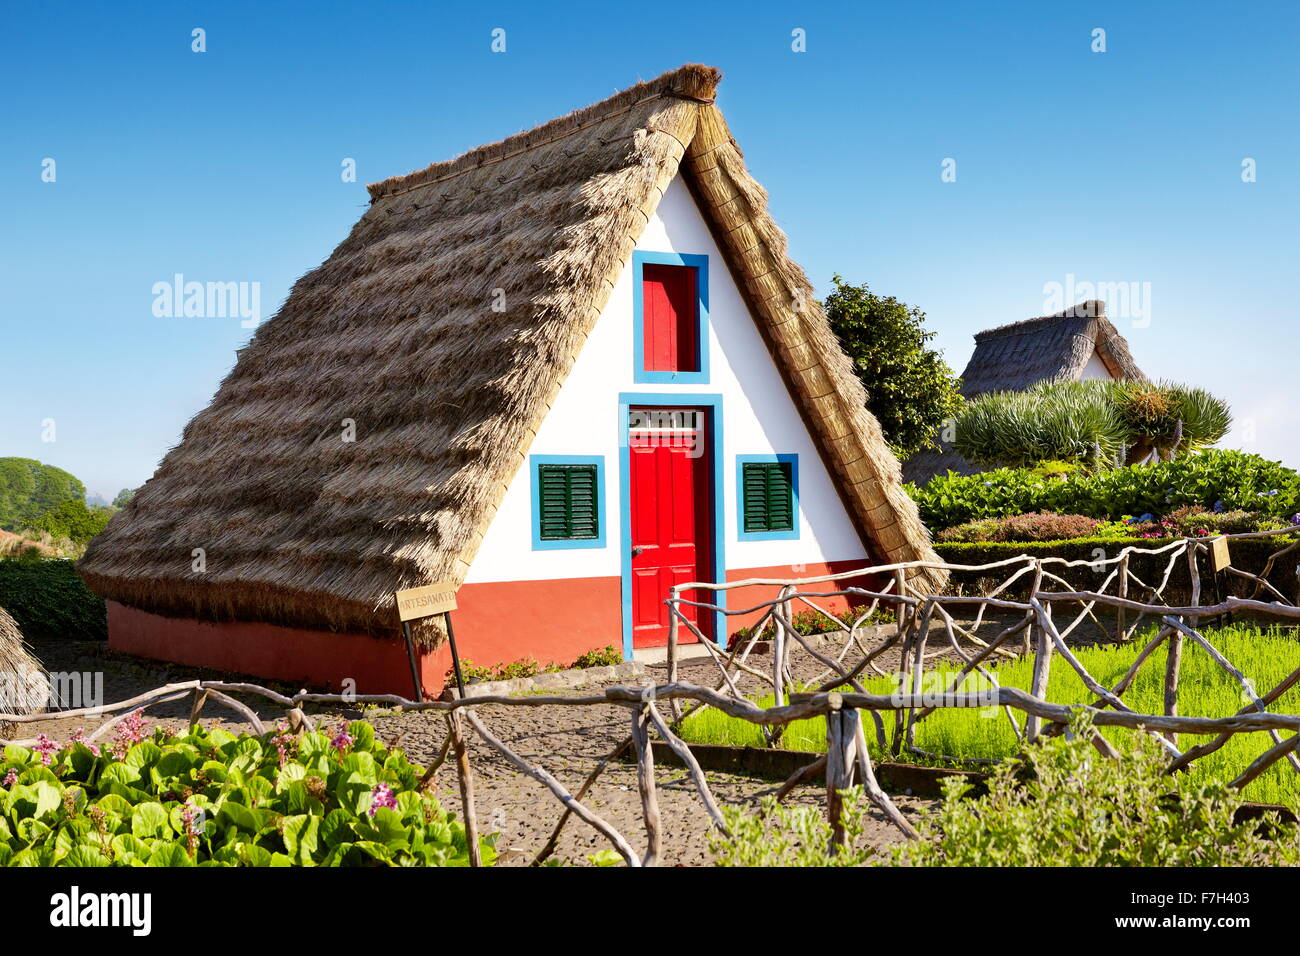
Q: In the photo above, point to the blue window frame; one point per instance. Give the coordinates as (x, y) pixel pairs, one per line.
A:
(565, 481)
(701, 266)
(767, 503)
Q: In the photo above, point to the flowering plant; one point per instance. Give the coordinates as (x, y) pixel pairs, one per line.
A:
(208, 797)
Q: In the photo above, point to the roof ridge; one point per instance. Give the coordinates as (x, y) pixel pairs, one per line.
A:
(693, 81)
(1091, 309)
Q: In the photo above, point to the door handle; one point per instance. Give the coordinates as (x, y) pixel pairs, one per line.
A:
(636, 552)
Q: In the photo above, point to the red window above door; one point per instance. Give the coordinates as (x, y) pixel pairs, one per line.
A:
(670, 319)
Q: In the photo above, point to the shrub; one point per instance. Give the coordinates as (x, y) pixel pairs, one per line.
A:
(209, 798)
(1038, 526)
(1065, 805)
(48, 599)
(73, 520)
(811, 622)
(607, 656)
(1096, 424)
(1212, 479)
(1247, 555)
(910, 389)
(1069, 806)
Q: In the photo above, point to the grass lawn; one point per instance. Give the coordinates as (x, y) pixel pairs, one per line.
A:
(1264, 656)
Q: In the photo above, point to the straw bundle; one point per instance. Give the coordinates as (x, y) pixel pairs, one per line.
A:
(24, 685)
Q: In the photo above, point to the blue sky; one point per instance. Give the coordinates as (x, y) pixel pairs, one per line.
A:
(1115, 167)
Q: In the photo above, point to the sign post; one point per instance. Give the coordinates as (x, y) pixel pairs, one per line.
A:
(414, 604)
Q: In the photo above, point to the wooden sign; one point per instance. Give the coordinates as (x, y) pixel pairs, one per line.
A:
(431, 599)
(1219, 557)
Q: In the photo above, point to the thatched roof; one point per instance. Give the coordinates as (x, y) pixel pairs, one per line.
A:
(1013, 357)
(24, 686)
(396, 332)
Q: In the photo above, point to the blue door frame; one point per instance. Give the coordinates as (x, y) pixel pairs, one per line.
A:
(626, 400)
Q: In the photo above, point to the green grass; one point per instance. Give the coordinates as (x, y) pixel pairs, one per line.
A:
(1264, 656)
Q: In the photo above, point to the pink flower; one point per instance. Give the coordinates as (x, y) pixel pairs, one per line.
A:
(382, 796)
(11, 777)
(47, 748)
(342, 739)
(79, 737)
(129, 731)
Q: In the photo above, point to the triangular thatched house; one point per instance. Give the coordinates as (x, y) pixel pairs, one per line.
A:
(563, 371)
(24, 685)
(1077, 344)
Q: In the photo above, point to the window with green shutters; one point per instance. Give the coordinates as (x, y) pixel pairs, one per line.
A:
(768, 494)
(568, 502)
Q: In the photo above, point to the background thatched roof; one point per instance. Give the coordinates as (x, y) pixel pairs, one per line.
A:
(1013, 357)
(395, 331)
(24, 687)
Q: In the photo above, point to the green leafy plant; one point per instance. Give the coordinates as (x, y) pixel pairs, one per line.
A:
(1217, 480)
(1062, 805)
(607, 656)
(811, 622)
(208, 798)
(73, 520)
(1069, 806)
(910, 388)
(48, 599)
(1092, 424)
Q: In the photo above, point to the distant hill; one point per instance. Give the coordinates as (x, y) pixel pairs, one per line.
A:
(29, 489)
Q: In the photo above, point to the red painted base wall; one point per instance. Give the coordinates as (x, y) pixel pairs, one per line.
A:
(550, 621)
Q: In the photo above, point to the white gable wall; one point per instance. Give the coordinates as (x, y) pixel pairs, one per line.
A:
(1095, 369)
(759, 417)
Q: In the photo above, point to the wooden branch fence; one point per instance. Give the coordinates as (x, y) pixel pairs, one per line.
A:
(837, 693)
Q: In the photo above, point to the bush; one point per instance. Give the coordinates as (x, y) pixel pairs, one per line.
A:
(1065, 805)
(1077, 808)
(74, 521)
(1095, 424)
(210, 798)
(48, 599)
(1247, 555)
(1039, 526)
(607, 656)
(1215, 480)
(910, 389)
(811, 622)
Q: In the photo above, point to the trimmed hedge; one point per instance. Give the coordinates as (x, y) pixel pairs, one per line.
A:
(1250, 554)
(48, 599)
(1235, 480)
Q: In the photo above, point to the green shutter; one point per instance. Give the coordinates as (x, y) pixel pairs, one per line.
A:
(568, 501)
(768, 496)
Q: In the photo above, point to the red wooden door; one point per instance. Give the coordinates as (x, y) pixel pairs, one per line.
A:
(672, 520)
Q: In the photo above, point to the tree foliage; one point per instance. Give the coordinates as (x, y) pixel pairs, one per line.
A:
(124, 497)
(910, 388)
(1095, 424)
(29, 489)
(74, 521)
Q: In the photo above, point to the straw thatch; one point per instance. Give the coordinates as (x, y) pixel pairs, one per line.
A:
(396, 332)
(24, 685)
(1013, 357)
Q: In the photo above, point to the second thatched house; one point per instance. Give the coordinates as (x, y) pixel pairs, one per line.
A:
(564, 372)
(1077, 344)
